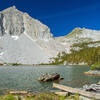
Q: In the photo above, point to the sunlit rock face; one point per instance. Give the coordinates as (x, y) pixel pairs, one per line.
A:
(35, 28)
(15, 22)
(24, 39)
(12, 22)
(79, 35)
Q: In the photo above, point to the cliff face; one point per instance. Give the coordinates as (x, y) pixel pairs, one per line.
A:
(15, 22)
(24, 39)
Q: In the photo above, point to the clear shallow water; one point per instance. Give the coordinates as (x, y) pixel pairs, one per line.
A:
(25, 77)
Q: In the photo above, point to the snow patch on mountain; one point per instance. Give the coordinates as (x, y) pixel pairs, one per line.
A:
(1, 54)
(94, 45)
(15, 37)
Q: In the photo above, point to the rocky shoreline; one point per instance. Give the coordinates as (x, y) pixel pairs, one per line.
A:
(56, 95)
(19, 64)
(68, 94)
(24, 95)
(93, 72)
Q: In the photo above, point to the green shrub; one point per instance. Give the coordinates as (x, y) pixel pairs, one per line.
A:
(47, 96)
(95, 67)
(9, 97)
(15, 64)
(62, 98)
(1, 64)
(76, 97)
(87, 55)
(73, 97)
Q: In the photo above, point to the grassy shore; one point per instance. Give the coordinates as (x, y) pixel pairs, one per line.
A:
(41, 96)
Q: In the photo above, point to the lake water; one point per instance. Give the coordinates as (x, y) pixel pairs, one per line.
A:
(25, 77)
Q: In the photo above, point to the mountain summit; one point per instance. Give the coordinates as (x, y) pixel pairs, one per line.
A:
(24, 39)
(15, 22)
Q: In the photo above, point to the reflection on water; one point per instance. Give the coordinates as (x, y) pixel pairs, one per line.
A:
(25, 77)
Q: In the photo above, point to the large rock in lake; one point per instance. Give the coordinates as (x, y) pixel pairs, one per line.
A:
(49, 77)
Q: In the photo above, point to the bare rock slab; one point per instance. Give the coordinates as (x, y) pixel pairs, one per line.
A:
(49, 77)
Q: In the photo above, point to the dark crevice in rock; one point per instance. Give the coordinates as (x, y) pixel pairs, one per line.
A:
(2, 30)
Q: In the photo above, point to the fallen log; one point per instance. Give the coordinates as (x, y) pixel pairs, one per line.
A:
(18, 92)
(61, 93)
(77, 91)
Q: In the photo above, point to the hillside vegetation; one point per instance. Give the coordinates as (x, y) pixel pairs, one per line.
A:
(86, 54)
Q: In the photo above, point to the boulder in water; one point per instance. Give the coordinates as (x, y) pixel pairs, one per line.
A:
(49, 77)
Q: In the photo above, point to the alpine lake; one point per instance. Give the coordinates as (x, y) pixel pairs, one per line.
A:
(26, 77)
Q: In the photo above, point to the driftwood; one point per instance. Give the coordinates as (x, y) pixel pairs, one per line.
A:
(61, 93)
(78, 91)
(18, 92)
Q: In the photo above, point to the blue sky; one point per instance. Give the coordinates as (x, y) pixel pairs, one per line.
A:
(62, 16)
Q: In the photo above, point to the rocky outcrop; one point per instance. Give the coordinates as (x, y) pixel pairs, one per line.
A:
(25, 40)
(92, 87)
(12, 21)
(35, 28)
(49, 77)
(77, 36)
(15, 22)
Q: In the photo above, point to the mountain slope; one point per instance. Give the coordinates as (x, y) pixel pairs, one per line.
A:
(82, 46)
(78, 35)
(24, 39)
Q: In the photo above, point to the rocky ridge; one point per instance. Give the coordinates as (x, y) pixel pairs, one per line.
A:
(25, 40)
(78, 36)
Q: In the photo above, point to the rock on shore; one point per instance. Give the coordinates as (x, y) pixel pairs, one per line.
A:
(93, 72)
